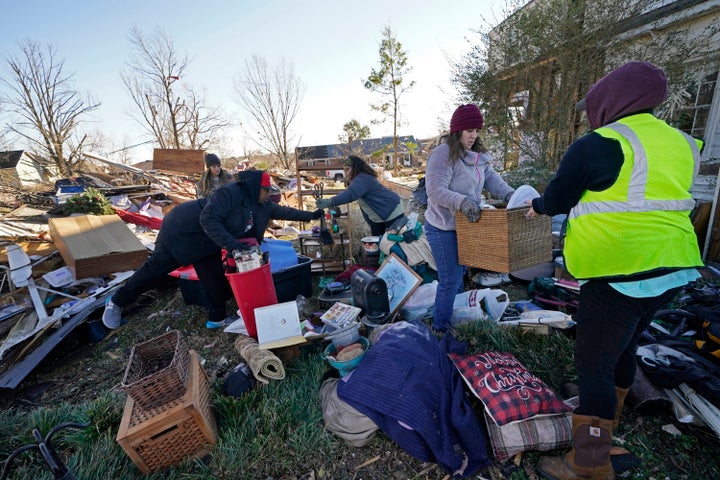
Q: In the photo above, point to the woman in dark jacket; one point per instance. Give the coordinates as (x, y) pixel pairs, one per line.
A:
(380, 206)
(194, 232)
(213, 177)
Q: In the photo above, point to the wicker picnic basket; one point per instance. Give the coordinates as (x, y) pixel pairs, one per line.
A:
(157, 370)
(504, 240)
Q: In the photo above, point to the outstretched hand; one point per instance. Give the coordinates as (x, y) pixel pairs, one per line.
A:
(531, 213)
(318, 213)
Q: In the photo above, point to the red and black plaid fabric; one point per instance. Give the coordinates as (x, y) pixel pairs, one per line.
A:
(506, 388)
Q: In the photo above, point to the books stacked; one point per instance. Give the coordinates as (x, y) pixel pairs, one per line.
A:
(340, 315)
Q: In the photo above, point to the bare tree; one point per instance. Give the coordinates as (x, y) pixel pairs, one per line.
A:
(388, 80)
(272, 99)
(48, 110)
(4, 129)
(173, 119)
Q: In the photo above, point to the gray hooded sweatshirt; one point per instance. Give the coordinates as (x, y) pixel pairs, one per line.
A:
(448, 185)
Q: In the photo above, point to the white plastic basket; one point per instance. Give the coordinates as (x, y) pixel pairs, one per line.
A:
(345, 335)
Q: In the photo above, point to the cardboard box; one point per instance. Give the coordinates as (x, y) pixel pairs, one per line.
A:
(96, 245)
(504, 240)
(191, 162)
(173, 432)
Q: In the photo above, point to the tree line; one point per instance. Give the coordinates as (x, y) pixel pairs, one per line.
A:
(47, 112)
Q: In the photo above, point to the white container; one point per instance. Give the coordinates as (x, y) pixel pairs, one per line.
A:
(345, 335)
(371, 244)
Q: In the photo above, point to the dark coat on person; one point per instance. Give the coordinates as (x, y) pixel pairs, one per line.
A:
(198, 228)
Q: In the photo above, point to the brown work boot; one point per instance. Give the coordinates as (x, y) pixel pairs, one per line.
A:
(620, 393)
(590, 456)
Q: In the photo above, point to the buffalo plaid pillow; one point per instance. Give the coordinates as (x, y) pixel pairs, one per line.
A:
(506, 388)
(540, 433)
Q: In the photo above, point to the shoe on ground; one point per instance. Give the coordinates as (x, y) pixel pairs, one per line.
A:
(112, 316)
(438, 331)
(220, 324)
(489, 279)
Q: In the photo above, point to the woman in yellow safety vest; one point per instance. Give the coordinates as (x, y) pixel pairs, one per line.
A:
(630, 242)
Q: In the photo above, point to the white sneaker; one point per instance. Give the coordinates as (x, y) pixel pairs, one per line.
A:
(488, 279)
(112, 316)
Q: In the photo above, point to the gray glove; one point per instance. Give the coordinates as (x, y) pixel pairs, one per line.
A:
(471, 209)
(409, 236)
(323, 203)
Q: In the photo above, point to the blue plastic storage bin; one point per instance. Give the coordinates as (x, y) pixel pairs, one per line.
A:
(282, 254)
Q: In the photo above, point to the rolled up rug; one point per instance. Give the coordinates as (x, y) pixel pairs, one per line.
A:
(645, 397)
(265, 366)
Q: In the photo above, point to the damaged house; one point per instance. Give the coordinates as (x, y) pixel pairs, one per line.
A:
(20, 168)
(543, 58)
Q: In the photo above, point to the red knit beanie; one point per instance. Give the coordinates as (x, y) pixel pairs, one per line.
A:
(466, 117)
(265, 180)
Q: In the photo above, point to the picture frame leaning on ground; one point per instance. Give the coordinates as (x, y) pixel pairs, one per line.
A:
(401, 281)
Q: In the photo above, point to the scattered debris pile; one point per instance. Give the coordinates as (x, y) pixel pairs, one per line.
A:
(46, 288)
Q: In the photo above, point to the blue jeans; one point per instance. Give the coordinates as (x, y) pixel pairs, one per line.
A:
(609, 325)
(443, 244)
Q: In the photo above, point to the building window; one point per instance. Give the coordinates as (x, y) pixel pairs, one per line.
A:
(693, 117)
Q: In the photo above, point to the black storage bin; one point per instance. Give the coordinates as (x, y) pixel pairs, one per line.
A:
(193, 292)
(293, 281)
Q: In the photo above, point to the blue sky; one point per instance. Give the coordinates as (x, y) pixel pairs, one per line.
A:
(333, 46)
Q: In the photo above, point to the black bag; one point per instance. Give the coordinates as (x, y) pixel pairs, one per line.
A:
(545, 293)
(702, 373)
(419, 194)
(707, 338)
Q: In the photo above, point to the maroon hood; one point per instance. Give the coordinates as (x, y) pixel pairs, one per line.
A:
(633, 87)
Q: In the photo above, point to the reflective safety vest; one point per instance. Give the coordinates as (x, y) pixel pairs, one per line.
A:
(642, 222)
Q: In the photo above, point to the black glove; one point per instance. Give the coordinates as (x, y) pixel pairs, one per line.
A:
(318, 213)
(471, 209)
(409, 236)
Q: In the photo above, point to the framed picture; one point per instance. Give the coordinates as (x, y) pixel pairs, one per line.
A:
(401, 281)
(278, 325)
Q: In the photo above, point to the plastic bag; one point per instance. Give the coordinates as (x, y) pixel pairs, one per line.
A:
(420, 302)
(480, 304)
(522, 195)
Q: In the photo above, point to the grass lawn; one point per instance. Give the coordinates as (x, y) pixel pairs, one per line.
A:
(276, 431)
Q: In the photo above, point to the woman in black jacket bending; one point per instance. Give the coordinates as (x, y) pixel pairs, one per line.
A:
(194, 232)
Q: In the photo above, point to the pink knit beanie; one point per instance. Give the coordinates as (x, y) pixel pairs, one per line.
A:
(466, 117)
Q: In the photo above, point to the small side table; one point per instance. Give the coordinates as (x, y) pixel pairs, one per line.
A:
(321, 264)
(370, 260)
